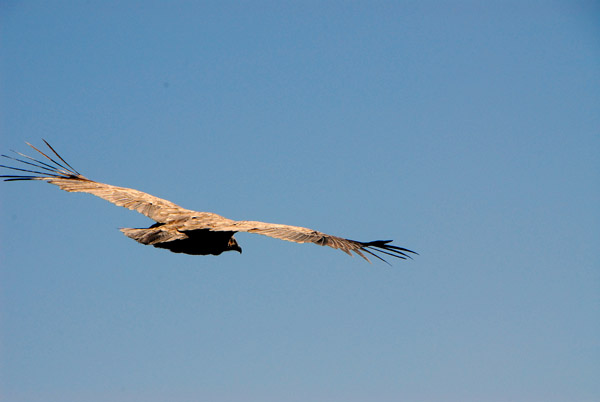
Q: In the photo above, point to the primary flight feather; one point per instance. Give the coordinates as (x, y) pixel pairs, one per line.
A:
(182, 230)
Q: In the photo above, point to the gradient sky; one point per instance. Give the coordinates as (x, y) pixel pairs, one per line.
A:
(467, 131)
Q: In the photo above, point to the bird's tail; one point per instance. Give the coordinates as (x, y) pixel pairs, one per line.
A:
(152, 235)
(144, 236)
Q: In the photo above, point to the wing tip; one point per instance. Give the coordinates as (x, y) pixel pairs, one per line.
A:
(45, 170)
(383, 247)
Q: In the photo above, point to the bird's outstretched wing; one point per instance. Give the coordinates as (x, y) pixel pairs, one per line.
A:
(299, 234)
(60, 173)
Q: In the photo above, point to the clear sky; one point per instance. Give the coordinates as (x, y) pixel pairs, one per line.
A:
(467, 131)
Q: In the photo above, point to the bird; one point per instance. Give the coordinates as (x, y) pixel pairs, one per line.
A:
(178, 229)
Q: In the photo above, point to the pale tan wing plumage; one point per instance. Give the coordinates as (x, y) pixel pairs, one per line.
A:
(153, 207)
(299, 234)
(68, 179)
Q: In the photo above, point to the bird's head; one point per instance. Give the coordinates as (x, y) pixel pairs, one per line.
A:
(233, 245)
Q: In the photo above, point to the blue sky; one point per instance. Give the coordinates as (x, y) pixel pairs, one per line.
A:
(467, 131)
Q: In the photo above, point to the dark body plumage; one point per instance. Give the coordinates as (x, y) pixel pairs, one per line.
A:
(182, 230)
(194, 242)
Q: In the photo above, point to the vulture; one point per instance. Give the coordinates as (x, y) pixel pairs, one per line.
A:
(182, 230)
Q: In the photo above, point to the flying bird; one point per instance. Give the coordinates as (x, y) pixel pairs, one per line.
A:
(182, 230)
